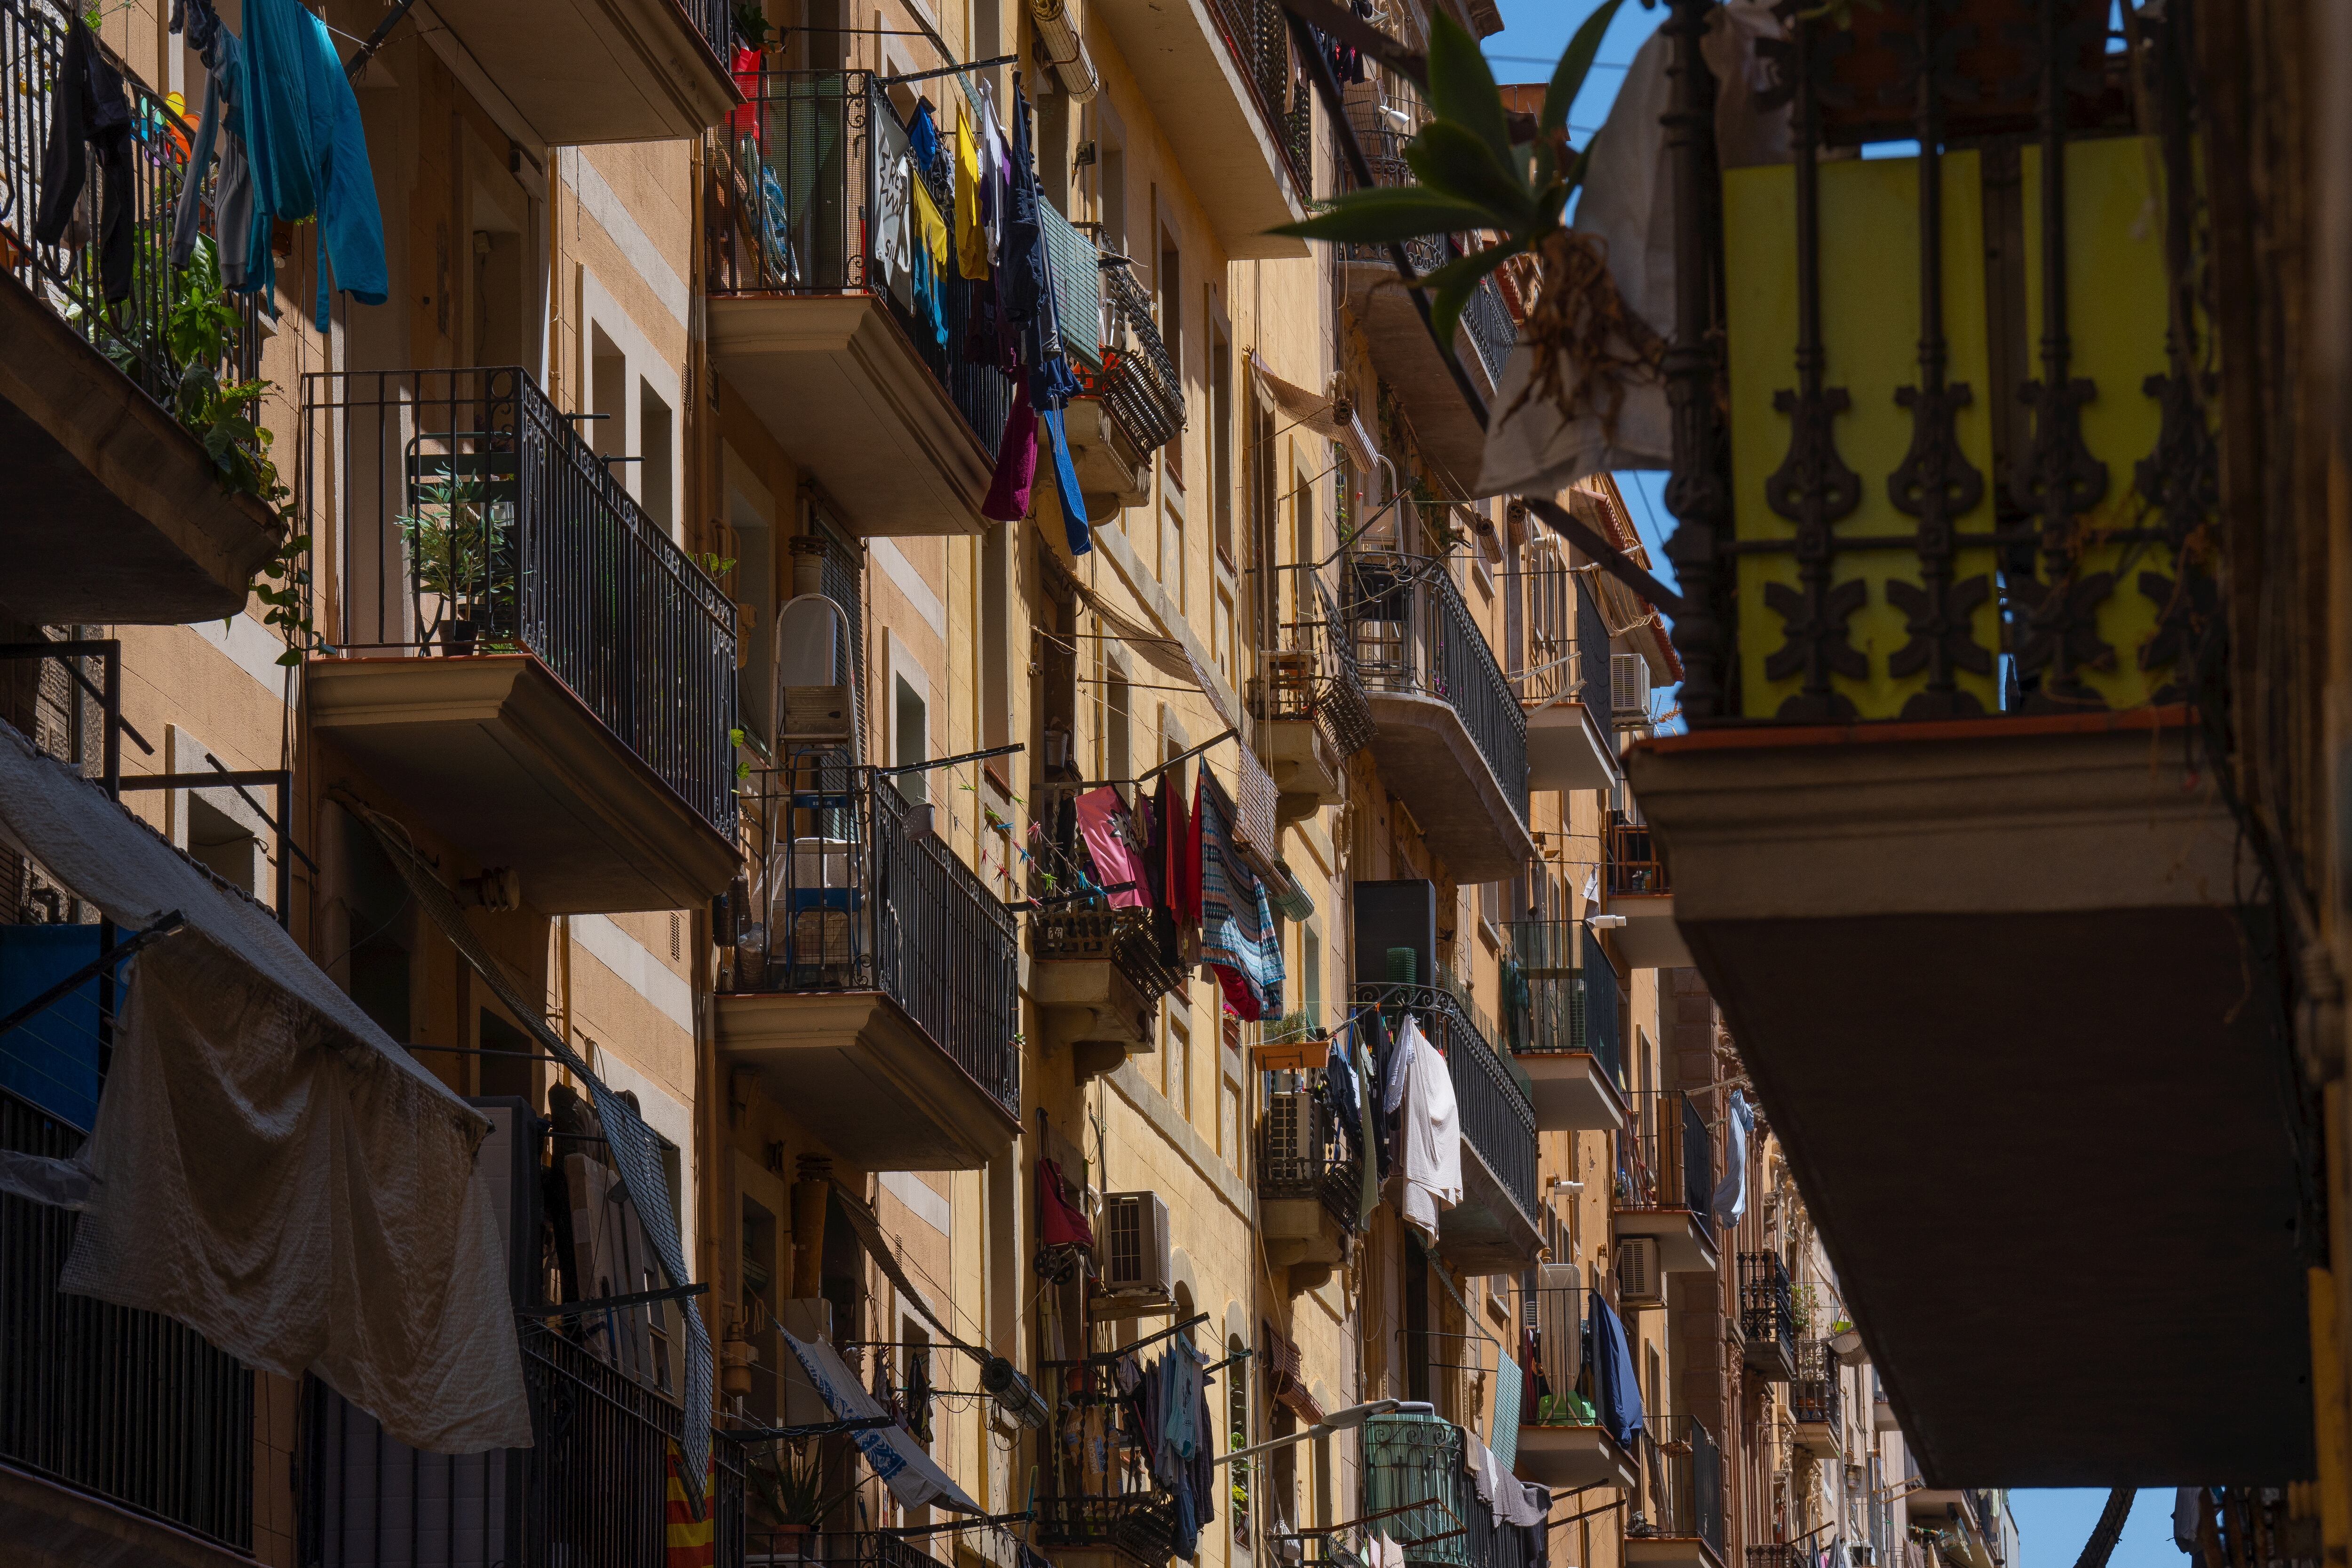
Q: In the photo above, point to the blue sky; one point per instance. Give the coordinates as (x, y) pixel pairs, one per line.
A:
(2051, 1527)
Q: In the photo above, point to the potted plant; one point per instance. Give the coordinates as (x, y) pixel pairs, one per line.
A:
(458, 542)
(790, 1487)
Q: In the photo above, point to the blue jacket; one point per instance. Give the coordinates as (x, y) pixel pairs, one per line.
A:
(309, 153)
(1616, 1387)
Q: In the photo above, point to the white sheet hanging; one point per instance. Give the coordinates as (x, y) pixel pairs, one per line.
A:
(268, 1167)
(912, 1475)
(1433, 1135)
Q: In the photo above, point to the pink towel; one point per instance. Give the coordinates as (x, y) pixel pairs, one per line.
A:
(1102, 817)
(1016, 462)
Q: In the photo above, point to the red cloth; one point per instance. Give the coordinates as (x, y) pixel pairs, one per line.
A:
(1057, 1221)
(745, 121)
(1183, 839)
(1016, 461)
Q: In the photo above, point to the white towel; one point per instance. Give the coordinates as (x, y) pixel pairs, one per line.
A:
(1433, 1135)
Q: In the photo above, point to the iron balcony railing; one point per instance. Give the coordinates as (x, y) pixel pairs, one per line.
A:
(829, 1549)
(1126, 938)
(1552, 1319)
(715, 20)
(1258, 34)
(1131, 369)
(467, 516)
(795, 194)
(1780, 1554)
(1682, 1483)
(1665, 1159)
(1413, 633)
(852, 891)
(1301, 1151)
(1634, 863)
(1560, 993)
(1311, 675)
(1495, 1116)
(592, 1490)
(1564, 648)
(1095, 1488)
(124, 1405)
(132, 332)
(1766, 1303)
(1816, 1397)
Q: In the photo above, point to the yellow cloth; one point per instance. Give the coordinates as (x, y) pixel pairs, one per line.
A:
(934, 228)
(972, 239)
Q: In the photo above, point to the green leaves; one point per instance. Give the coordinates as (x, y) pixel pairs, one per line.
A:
(1568, 78)
(1450, 286)
(1390, 212)
(1462, 89)
(1452, 162)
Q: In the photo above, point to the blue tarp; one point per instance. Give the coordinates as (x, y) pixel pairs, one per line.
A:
(51, 1059)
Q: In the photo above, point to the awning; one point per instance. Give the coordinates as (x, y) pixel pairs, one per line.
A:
(1065, 49)
(1315, 412)
(247, 1096)
(627, 1139)
(912, 1475)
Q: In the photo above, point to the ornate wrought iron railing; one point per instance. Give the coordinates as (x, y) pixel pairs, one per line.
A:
(1766, 1303)
(795, 194)
(132, 332)
(467, 516)
(1560, 993)
(1495, 1116)
(1311, 676)
(125, 1405)
(829, 1549)
(2054, 554)
(1136, 379)
(1665, 1158)
(1124, 937)
(1258, 34)
(592, 1490)
(1817, 1397)
(852, 891)
(1302, 1154)
(1413, 633)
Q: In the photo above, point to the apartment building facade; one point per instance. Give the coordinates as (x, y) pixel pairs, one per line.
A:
(880, 897)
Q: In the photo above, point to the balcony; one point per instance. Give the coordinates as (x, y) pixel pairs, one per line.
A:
(123, 1435)
(592, 1490)
(521, 654)
(1666, 1182)
(1413, 1465)
(1313, 711)
(873, 978)
(1448, 433)
(1638, 890)
(825, 344)
(1214, 73)
(1561, 1443)
(1564, 1022)
(1767, 1317)
(1955, 826)
(1679, 1523)
(1309, 1186)
(1493, 1229)
(1816, 1400)
(1099, 978)
(1448, 733)
(603, 70)
(829, 1549)
(1564, 684)
(1134, 398)
(111, 510)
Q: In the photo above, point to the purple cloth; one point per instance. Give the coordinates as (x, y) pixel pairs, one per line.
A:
(1016, 463)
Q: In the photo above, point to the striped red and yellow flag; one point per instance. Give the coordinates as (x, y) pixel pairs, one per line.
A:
(687, 1540)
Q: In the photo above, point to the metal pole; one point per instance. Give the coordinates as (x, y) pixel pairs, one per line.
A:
(285, 851)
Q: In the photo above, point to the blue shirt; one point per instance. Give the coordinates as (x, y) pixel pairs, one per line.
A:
(309, 152)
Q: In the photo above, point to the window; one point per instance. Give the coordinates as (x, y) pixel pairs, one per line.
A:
(656, 468)
(225, 846)
(1310, 972)
(1229, 1123)
(1221, 443)
(911, 742)
(996, 637)
(1171, 542)
(608, 385)
(1306, 537)
(1119, 727)
(755, 1306)
(915, 1377)
(1221, 638)
(507, 1069)
(1172, 332)
(1178, 1086)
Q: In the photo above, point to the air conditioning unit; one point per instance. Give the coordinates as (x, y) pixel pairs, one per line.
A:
(1135, 1246)
(1294, 1132)
(1639, 1282)
(1629, 688)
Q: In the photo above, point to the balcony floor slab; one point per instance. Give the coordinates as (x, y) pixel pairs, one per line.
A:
(1442, 424)
(1427, 758)
(586, 71)
(1566, 1458)
(1486, 1232)
(1567, 750)
(1649, 939)
(110, 510)
(1670, 1552)
(1684, 1244)
(865, 1079)
(840, 385)
(1994, 983)
(496, 755)
(1572, 1092)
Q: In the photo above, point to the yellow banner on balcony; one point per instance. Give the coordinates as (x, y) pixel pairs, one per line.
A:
(2115, 319)
(1870, 293)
